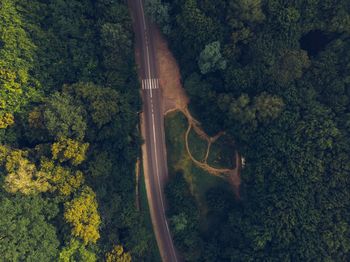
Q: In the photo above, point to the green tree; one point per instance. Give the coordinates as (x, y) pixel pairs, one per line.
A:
(76, 251)
(290, 66)
(102, 104)
(63, 117)
(211, 59)
(16, 59)
(25, 231)
(117, 53)
(248, 11)
(159, 13)
(268, 107)
(179, 222)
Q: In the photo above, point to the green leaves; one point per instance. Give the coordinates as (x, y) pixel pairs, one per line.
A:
(159, 13)
(211, 59)
(63, 117)
(16, 59)
(25, 234)
(76, 251)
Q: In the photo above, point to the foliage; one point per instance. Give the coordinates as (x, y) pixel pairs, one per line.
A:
(62, 179)
(67, 149)
(184, 217)
(210, 59)
(285, 103)
(6, 119)
(118, 255)
(26, 234)
(82, 214)
(68, 102)
(16, 59)
(159, 13)
(23, 176)
(76, 251)
(290, 66)
(63, 118)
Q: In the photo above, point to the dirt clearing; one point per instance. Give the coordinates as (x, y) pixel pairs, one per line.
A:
(174, 96)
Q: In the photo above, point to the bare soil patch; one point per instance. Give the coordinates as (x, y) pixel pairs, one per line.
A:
(174, 96)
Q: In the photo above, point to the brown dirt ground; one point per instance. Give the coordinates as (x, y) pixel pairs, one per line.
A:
(174, 96)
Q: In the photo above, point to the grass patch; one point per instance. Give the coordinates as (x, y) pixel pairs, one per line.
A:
(175, 128)
(199, 180)
(197, 145)
(153, 247)
(222, 153)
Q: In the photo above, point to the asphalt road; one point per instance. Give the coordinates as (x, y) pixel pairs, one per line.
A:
(153, 132)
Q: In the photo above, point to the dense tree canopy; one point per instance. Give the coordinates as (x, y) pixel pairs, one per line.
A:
(68, 139)
(16, 59)
(25, 229)
(284, 98)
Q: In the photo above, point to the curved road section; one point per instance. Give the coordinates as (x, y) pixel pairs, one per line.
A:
(154, 155)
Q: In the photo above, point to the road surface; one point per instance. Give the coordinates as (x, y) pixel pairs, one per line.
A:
(153, 132)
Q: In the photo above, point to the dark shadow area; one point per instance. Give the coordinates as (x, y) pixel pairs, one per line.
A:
(315, 41)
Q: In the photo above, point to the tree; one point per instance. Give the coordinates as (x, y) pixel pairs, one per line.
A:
(6, 119)
(102, 104)
(117, 53)
(248, 11)
(159, 13)
(25, 231)
(197, 29)
(83, 215)
(16, 59)
(62, 179)
(184, 217)
(63, 117)
(101, 164)
(242, 17)
(67, 149)
(211, 59)
(76, 251)
(268, 107)
(179, 222)
(23, 176)
(118, 255)
(290, 66)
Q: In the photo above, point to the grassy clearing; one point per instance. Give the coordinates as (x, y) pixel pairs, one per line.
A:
(222, 153)
(197, 145)
(154, 251)
(178, 159)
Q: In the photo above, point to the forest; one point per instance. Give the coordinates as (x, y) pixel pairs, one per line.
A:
(274, 75)
(69, 105)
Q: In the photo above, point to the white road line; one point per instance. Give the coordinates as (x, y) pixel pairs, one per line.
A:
(143, 16)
